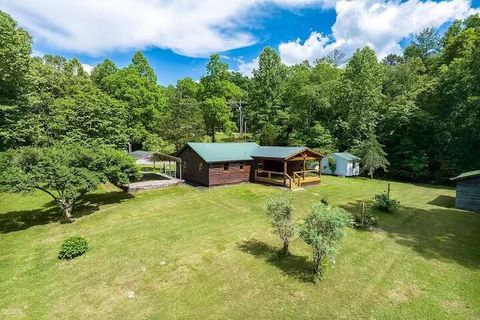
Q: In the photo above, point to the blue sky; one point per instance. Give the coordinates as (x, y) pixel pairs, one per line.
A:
(178, 36)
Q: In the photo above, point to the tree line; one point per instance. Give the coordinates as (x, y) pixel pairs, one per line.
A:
(416, 114)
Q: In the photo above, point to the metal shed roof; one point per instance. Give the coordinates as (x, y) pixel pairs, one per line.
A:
(140, 154)
(219, 152)
(467, 175)
(346, 156)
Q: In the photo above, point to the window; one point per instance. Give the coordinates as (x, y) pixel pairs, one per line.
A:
(226, 166)
(200, 167)
(242, 164)
(184, 165)
(260, 164)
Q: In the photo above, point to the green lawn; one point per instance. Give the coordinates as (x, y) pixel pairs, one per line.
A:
(198, 253)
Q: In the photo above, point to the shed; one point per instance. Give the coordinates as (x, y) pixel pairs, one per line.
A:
(346, 164)
(468, 191)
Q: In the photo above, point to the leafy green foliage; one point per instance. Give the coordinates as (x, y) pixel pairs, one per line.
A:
(104, 69)
(144, 99)
(65, 171)
(265, 97)
(280, 209)
(373, 156)
(332, 164)
(73, 247)
(417, 112)
(385, 203)
(218, 90)
(364, 218)
(322, 230)
(15, 50)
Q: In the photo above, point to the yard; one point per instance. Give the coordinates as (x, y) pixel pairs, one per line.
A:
(185, 252)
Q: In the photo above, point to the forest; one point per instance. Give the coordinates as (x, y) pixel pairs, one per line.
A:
(418, 112)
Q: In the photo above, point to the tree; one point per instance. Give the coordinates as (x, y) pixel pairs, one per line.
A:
(184, 121)
(15, 51)
(218, 89)
(141, 65)
(217, 114)
(265, 97)
(424, 44)
(322, 229)
(373, 156)
(360, 98)
(102, 70)
(267, 135)
(145, 100)
(88, 115)
(280, 209)
(65, 172)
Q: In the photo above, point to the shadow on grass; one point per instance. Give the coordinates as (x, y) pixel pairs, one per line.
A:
(448, 235)
(295, 266)
(443, 201)
(24, 219)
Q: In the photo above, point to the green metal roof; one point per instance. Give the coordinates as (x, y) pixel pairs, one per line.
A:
(220, 152)
(467, 175)
(346, 156)
(276, 152)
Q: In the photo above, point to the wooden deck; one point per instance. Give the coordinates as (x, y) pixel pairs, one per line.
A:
(299, 179)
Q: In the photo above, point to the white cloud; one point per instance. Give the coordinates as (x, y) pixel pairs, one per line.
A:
(246, 68)
(189, 27)
(87, 68)
(380, 24)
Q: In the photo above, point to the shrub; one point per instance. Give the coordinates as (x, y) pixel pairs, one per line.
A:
(73, 247)
(332, 163)
(281, 210)
(364, 219)
(322, 229)
(385, 203)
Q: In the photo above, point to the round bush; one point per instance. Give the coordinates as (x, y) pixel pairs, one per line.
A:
(73, 247)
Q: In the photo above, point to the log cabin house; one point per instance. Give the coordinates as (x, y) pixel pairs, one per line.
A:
(212, 164)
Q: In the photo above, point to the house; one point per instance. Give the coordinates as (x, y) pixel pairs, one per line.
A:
(468, 191)
(346, 164)
(212, 164)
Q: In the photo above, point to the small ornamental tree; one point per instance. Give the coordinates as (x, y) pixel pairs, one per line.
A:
(373, 156)
(281, 210)
(64, 172)
(322, 229)
(332, 164)
(365, 218)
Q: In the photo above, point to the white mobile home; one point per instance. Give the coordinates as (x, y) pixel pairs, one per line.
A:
(346, 164)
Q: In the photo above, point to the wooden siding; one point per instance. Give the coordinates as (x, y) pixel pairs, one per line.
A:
(468, 194)
(218, 176)
(191, 163)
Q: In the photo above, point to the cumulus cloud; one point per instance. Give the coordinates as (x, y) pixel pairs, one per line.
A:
(189, 27)
(379, 24)
(87, 68)
(246, 68)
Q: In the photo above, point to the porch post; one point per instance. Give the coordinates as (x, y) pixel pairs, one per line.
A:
(319, 167)
(284, 173)
(303, 172)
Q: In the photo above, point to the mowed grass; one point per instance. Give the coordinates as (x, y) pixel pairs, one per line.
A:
(195, 253)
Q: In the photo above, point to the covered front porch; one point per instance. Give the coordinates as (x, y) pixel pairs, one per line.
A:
(292, 168)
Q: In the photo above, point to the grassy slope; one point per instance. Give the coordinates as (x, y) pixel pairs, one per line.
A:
(198, 253)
